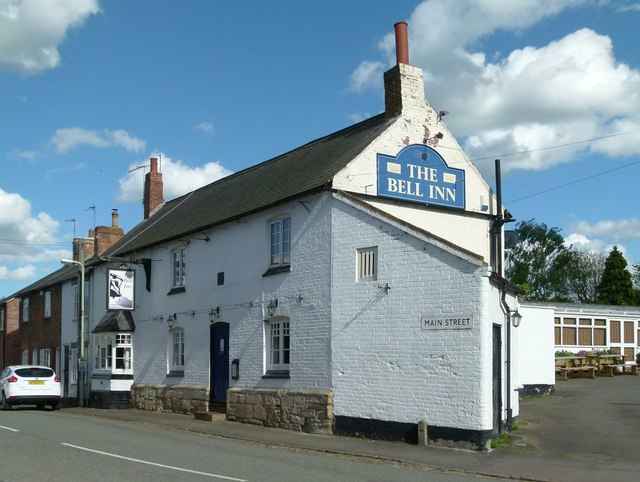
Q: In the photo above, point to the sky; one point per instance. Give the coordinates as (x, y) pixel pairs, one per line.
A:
(91, 89)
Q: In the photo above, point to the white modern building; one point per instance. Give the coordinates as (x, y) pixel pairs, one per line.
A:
(351, 286)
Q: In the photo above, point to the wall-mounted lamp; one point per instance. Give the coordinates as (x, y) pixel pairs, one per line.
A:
(235, 369)
(441, 114)
(171, 320)
(214, 314)
(516, 318)
(271, 307)
(124, 266)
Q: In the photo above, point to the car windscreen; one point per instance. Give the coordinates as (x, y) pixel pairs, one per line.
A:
(34, 372)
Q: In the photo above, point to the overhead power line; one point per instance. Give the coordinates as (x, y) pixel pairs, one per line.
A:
(556, 146)
(576, 181)
(31, 243)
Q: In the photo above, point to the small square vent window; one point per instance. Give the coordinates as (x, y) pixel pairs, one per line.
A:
(367, 264)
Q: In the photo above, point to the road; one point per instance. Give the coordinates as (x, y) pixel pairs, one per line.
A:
(46, 445)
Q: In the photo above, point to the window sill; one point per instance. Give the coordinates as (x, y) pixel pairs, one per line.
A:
(277, 269)
(175, 374)
(176, 290)
(276, 374)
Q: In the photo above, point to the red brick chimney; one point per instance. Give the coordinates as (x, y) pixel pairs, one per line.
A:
(403, 84)
(107, 236)
(99, 240)
(153, 189)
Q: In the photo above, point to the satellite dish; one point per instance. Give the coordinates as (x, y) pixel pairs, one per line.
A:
(511, 238)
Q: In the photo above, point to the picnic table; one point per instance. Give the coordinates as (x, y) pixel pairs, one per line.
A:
(574, 365)
(601, 361)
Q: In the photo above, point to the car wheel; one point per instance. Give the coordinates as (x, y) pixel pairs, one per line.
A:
(55, 406)
(40, 406)
(5, 403)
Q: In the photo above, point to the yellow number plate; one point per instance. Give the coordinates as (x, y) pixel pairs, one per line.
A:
(36, 382)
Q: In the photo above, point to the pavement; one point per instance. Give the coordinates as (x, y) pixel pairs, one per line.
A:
(587, 430)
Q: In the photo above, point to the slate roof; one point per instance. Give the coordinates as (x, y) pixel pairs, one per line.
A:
(62, 274)
(302, 170)
(115, 321)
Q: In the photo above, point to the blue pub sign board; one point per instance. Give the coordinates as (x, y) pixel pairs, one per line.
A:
(419, 174)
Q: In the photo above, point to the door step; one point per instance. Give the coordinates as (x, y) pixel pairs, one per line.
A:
(218, 407)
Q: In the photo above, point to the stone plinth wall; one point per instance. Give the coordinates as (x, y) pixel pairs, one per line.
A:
(170, 398)
(308, 411)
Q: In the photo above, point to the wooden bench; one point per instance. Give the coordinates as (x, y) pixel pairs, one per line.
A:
(629, 367)
(564, 372)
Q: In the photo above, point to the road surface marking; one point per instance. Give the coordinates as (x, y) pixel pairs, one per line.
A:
(153, 463)
(9, 428)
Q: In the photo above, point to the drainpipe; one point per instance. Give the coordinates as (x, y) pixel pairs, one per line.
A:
(497, 231)
(507, 311)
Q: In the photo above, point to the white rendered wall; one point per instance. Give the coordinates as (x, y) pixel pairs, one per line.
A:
(68, 327)
(385, 366)
(536, 348)
(241, 250)
(469, 229)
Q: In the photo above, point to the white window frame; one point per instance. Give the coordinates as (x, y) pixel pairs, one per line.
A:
(280, 241)
(25, 357)
(367, 264)
(178, 268)
(45, 357)
(47, 304)
(103, 349)
(176, 350)
(34, 356)
(123, 355)
(25, 310)
(278, 344)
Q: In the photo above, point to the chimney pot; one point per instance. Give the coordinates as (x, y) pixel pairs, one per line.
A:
(154, 164)
(114, 218)
(402, 43)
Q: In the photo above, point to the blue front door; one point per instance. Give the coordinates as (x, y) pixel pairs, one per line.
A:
(219, 352)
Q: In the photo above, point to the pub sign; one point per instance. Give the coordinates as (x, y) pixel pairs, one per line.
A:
(419, 174)
(121, 289)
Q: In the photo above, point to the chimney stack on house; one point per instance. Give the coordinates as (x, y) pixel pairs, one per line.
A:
(153, 189)
(403, 84)
(107, 236)
(99, 240)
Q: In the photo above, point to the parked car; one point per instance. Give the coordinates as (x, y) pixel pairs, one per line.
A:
(29, 385)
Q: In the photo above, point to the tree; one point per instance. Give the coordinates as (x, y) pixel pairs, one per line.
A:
(616, 286)
(539, 262)
(635, 276)
(584, 275)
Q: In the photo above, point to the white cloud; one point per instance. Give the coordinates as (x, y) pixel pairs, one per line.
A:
(177, 177)
(18, 274)
(560, 93)
(206, 127)
(366, 75)
(32, 30)
(26, 238)
(28, 156)
(612, 230)
(67, 139)
(583, 243)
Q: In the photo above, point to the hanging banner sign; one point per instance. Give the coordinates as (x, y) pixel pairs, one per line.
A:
(120, 289)
(419, 174)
